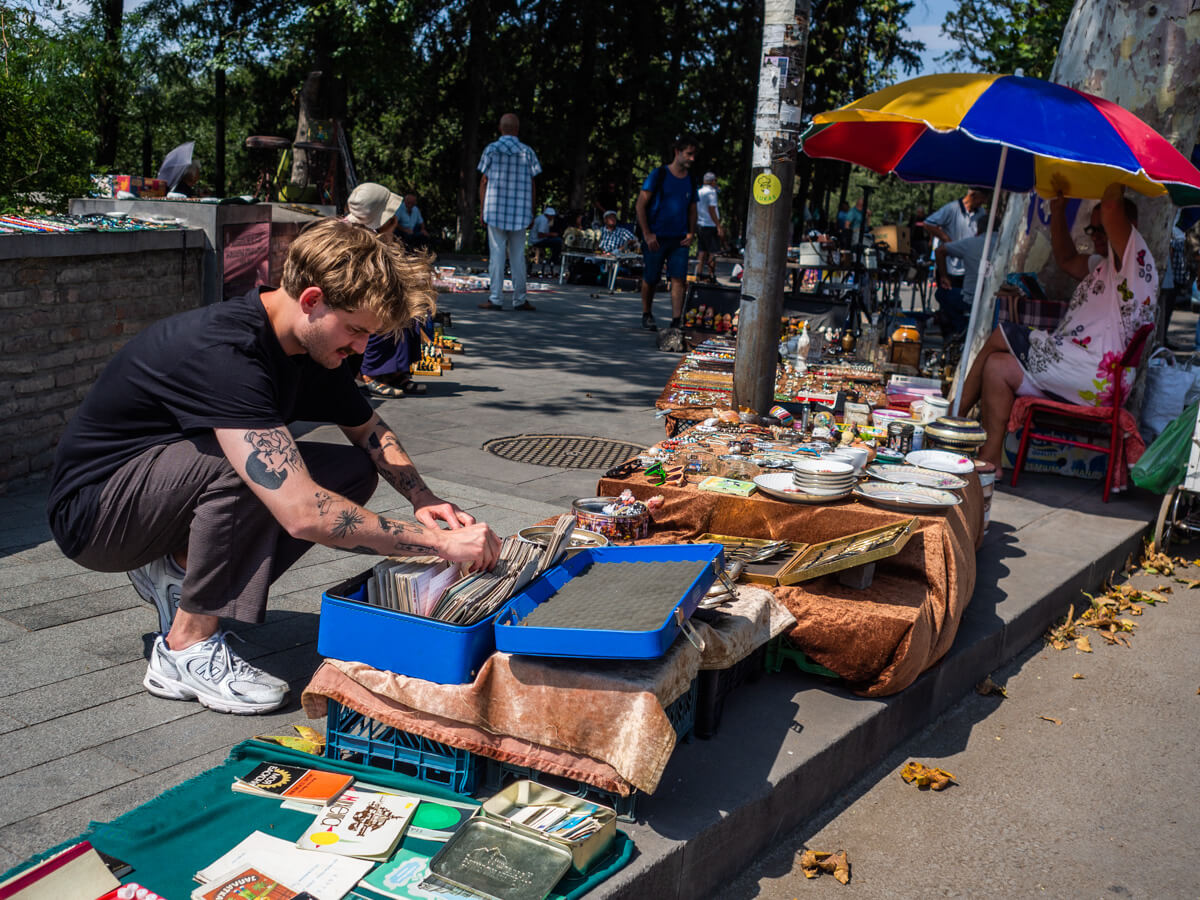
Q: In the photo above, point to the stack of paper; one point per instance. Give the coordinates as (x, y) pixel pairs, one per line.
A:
(410, 587)
(325, 876)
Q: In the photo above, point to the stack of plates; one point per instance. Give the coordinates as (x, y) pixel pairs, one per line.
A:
(824, 477)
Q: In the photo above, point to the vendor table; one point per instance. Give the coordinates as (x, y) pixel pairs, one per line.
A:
(879, 639)
(600, 722)
(613, 260)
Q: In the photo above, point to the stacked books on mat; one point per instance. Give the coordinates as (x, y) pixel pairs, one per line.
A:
(427, 586)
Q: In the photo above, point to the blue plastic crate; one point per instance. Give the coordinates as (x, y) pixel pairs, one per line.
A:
(350, 735)
(410, 645)
(604, 644)
(682, 715)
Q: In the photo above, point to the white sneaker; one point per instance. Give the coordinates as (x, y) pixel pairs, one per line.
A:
(213, 674)
(160, 583)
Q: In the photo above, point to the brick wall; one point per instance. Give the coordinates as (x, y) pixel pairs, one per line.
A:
(68, 302)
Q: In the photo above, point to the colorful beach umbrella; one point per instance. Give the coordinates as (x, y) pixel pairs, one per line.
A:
(953, 128)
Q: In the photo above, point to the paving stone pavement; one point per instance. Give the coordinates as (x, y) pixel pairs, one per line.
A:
(83, 740)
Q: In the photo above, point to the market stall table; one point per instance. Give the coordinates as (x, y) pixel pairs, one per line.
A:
(616, 260)
(879, 639)
(600, 722)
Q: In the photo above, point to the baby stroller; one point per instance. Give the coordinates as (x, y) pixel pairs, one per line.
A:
(1179, 514)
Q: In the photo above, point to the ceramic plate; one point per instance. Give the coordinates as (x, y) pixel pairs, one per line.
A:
(941, 461)
(915, 475)
(779, 485)
(906, 496)
(830, 467)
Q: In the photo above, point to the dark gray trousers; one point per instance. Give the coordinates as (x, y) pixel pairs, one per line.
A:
(186, 496)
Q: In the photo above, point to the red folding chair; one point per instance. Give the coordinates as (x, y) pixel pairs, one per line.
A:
(1098, 422)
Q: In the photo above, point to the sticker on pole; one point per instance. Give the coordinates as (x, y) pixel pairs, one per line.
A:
(767, 188)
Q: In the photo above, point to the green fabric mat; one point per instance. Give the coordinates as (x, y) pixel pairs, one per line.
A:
(168, 839)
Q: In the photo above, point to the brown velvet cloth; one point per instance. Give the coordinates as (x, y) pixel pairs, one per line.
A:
(879, 639)
(596, 721)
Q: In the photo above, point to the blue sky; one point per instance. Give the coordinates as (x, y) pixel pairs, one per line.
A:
(925, 24)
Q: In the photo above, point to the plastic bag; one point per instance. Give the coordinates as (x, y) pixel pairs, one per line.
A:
(1165, 462)
(1170, 386)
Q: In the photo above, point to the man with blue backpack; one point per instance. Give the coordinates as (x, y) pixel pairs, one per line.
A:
(666, 212)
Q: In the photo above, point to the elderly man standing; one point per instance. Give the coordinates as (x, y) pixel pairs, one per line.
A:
(506, 198)
(712, 232)
(956, 221)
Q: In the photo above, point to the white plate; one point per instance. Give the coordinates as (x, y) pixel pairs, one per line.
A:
(916, 475)
(779, 485)
(823, 467)
(906, 496)
(941, 461)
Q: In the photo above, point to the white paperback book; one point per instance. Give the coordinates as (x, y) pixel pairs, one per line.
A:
(366, 826)
(325, 876)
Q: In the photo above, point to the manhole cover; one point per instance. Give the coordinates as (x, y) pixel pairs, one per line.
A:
(567, 451)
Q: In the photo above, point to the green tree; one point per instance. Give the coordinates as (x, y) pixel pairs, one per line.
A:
(1006, 35)
(49, 135)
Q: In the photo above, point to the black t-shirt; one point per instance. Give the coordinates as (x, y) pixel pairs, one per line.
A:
(219, 366)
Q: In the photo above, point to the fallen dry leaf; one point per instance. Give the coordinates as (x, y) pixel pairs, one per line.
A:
(1051, 719)
(814, 862)
(1192, 583)
(1083, 645)
(987, 686)
(927, 778)
(1078, 676)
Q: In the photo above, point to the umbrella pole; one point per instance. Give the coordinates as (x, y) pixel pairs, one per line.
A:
(968, 349)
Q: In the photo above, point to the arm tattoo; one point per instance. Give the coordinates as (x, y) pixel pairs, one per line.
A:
(274, 454)
(324, 501)
(348, 521)
(403, 476)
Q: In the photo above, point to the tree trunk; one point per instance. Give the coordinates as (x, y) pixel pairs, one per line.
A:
(1152, 71)
(219, 131)
(583, 110)
(108, 112)
(473, 88)
(768, 221)
(307, 113)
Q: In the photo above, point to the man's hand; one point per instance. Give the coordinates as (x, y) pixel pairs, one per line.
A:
(429, 510)
(652, 241)
(474, 544)
(687, 240)
(944, 281)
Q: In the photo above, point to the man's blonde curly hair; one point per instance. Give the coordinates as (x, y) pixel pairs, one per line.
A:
(356, 271)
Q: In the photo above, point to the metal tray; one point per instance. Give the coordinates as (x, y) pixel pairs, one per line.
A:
(769, 572)
(833, 556)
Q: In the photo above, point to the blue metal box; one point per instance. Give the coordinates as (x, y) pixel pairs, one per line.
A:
(351, 629)
(604, 644)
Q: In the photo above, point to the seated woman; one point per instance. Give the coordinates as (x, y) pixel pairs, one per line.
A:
(1073, 363)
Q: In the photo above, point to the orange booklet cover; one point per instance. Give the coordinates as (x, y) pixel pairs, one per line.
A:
(313, 786)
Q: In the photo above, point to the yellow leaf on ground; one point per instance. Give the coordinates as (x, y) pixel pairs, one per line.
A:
(814, 862)
(1051, 719)
(1078, 676)
(1083, 645)
(927, 778)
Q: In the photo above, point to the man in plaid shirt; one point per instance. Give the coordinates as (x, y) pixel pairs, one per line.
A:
(614, 238)
(507, 195)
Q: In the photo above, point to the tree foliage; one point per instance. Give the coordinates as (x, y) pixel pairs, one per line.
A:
(1005, 35)
(418, 85)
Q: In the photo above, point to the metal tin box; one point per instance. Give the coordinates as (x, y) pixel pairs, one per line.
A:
(425, 648)
(525, 793)
(769, 572)
(499, 863)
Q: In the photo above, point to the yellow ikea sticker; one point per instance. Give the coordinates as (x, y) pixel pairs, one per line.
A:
(767, 188)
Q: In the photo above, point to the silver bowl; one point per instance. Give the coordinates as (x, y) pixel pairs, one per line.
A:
(581, 538)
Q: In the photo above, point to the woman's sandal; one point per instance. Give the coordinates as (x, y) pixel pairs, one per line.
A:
(412, 387)
(378, 388)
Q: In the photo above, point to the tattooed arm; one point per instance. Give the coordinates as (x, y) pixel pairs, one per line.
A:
(271, 465)
(398, 470)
